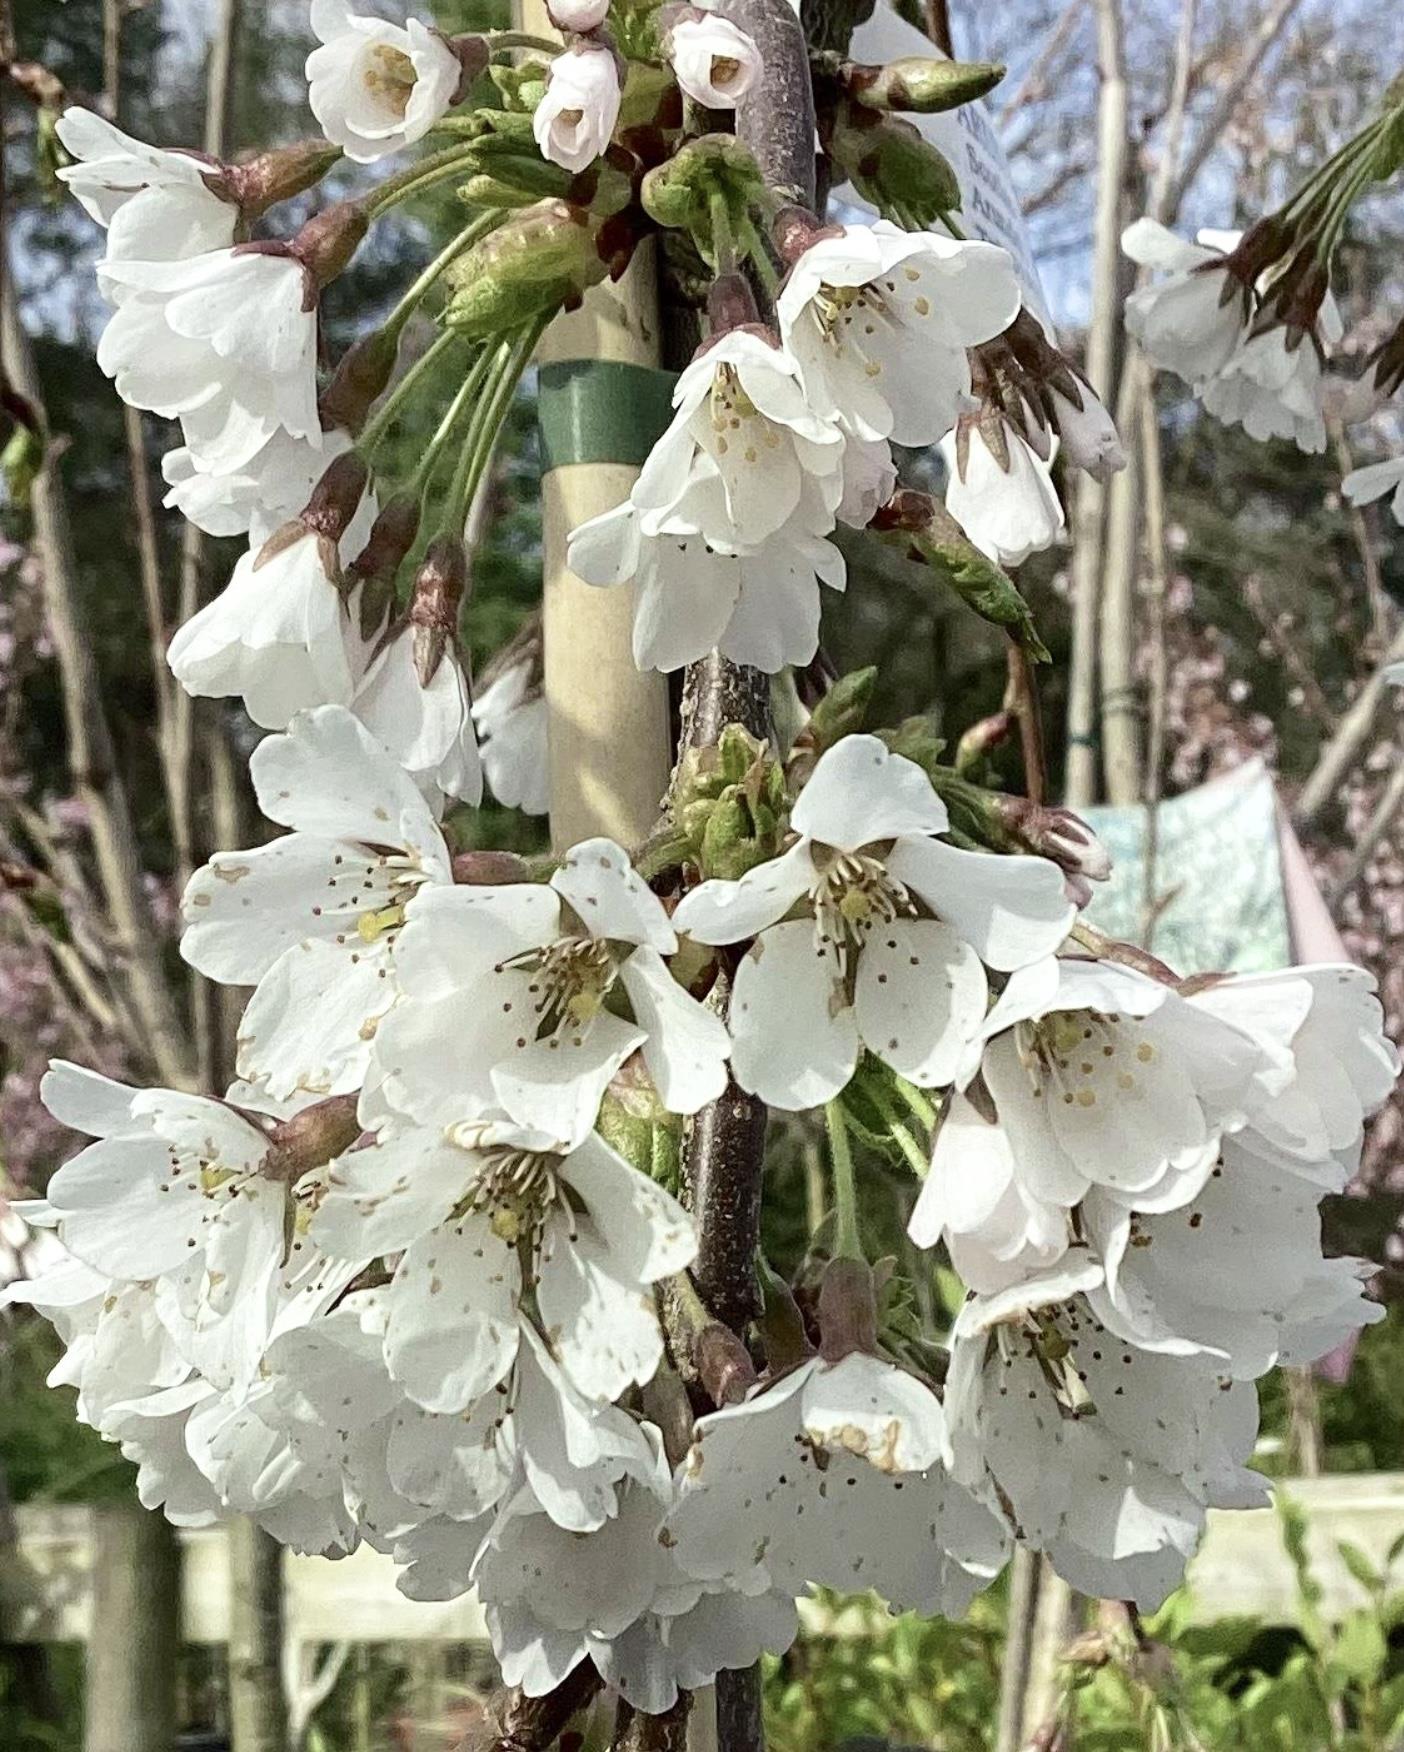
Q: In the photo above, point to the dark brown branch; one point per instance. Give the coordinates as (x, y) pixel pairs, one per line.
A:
(653, 1733)
(533, 1724)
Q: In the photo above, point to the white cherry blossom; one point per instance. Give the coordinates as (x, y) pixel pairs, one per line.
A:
(258, 497)
(878, 321)
(154, 205)
(429, 730)
(1362, 486)
(1177, 1282)
(741, 408)
(714, 61)
(1099, 1075)
(574, 121)
(313, 918)
(891, 927)
(513, 997)
(464, 1207)
(760, 606)
(509, 713)
(374, 86)
(1322, 1026)
(1007, 505)
(1191, 321)
(1272, 386)
(619, 1597)
(280, 635)
(835, 1475)
(225, 341)
(1106, 1456)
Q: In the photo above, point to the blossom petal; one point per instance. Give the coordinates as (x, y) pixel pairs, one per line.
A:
(452, 1331)
(1010, 909)
(687, 1045)
(860, 792)
(793, 1042)
(919, 999)
(729, 912)
(610, 897)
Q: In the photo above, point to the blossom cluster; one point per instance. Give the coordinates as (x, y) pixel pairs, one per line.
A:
(413, 1280)
(1247, 319)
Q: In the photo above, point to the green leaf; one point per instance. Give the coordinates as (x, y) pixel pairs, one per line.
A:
(921, 528)
(1360, 1566)
(1360, 1651)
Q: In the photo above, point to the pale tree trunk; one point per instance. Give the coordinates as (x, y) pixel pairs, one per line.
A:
(134, 1638)
(1341, 752)
(1089, 508)
(258, 1713)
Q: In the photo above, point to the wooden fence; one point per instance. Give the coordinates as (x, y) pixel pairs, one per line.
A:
(1241, 1569)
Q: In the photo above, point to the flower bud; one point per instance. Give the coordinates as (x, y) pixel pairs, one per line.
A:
(577, 17)
(439, 585)
(1054, 833)
(1091, 441)
(310, 1139)
(361, 377)
(575, 119)
(391, 537)
(546, 256)
(489, 869)
(328, 241)
(891, 163)
(277, 175)
(714, 61)
(679, 192)
(723, 1364)
(847, 1309)
(920, 84)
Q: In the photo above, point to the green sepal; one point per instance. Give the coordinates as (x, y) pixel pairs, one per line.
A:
(544, 257)
(915, 739)
(921, 528)
(684, 192)
(730, 803)
(522, 87)
(894, 166)
(637, 1126)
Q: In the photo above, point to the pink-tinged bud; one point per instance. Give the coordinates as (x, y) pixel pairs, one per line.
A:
(474, 53)
(1057, 834)
(336, 498)
(794, 229)
(579, 17)
(724, 1365)
(847, 1309)
(310, 1139)
(361, 377)
(277, 175)
(438, 594)
(731, 304)
(391, 537)
(488, 869)
(328, 241)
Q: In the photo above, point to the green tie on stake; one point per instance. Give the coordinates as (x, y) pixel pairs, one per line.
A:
(601, 410)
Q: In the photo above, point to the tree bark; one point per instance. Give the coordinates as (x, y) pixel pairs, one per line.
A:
(258, 1711)
(134, 1638)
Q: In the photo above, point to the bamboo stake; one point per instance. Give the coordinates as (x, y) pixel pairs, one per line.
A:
(609, 740)
(1090, 508)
